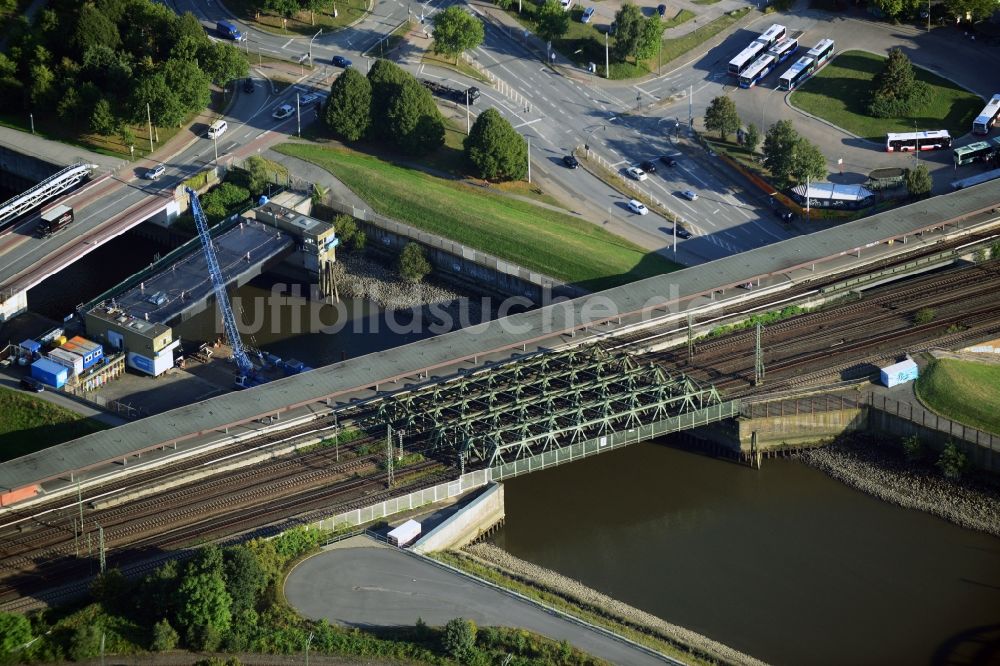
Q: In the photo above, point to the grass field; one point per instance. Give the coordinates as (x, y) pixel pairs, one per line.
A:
(964, 391)
(683, 16)
(674, 48)
(28, 424)
(840, 93)
(301, 23)
(540, 239)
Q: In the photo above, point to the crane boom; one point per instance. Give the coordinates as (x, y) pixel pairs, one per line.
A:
(219, 285)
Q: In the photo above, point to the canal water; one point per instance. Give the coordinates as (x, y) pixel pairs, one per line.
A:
(783, 563)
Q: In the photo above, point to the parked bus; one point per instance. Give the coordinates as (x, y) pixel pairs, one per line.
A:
(746, 57)
(760, 68)
(907, 141)
(797, 73)
(821, 52)
(772, 35)
(978, 179)
(980, 151)
(987, 117)
(783, 50)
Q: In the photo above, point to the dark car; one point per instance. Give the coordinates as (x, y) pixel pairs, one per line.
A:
(668, 160)
(472, 94)
(784, 214)
(571, 162)
(341, 61)
(682, 232)
(32, 384)
(661, 9)
(648, 166)
(248, 86)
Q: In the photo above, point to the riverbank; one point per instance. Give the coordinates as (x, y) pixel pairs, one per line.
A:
(592, 606)
(880, 470)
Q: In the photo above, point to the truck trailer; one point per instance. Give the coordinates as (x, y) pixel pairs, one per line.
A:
(55, 219)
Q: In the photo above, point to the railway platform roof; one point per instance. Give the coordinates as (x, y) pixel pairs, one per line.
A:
(533, 328)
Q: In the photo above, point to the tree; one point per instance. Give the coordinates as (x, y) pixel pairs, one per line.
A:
(721, 117)
(42, 85)
(977, 9)
(808, 162)
(85, 642)
(245, 579)
(551, 20)
(415, 124)
(459, 638)
(913, 448)
(952, 461)
(258, 175)
(896, 8)
(164, 103)
(456, 31)
(918, 181)
(93, 27)
(109, 588)
(348, 112)
(779, 150)
(69, 106)
(386, 79)
(496, 149)
(126, 135)
(203, 603)
(164, 637)
(751, 138)
(223, 62)
(189, 82)
(895, 90)
(413, 265)
(346, 228)
(223, 200)
(628, 34)
(15, 631)
(649, 38)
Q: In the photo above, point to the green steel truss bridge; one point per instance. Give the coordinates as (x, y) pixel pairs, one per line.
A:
(538, 403)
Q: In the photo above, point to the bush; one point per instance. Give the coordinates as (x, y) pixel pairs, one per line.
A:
(15, 631)
(924, 316)
(459, 638)
(913, 449)
(85, 642)
(952, 462)
(164, 637)
(413, 265)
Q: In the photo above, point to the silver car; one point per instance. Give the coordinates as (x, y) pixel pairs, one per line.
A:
(635, 173)
(283, 111)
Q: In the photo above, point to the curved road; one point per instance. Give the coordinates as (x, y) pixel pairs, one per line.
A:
(378, 586)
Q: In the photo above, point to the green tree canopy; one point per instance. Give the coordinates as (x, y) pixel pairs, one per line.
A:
(348, 111)
(164, 103)
(43, 88)
(189, 82)
(779, 150)
(459, 638)
(808, 162)
(456, 31)
(649, 38)
(15, 631)
(85, 642)
(918, 181)
(629, 31)
(751, 138)
(977, 9)
(721, 116)
(164, 637)
(551, 20)
(413, 265)
(93, 27)
(223, 62)
(202, 602)
(897, 8)
(496, 149)
(415, 124)
(952, 461)
(895, 90)
(386, 79)
(245, 579)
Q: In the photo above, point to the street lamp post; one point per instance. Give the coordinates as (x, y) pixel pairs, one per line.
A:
(149, 120)
(528, 138)
(298, 116)
(311, 44)
(215, 143)
(468, 114)
(308, 641)
(607, 58)
(31, 117)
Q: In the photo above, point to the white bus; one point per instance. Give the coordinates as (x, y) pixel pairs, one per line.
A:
(905, 142)
(987, 117)
(821, 52)
(984, 177)
(783, 50)
(738, 64)
(773, 34)
(797, 73)
(760, 68)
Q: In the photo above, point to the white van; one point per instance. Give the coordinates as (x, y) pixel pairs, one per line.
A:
(217, 129)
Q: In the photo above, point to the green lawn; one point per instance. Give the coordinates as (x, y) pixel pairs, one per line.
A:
(704, 2)
(965, 391)
(302, 23)
(840, 93)
(28, 424)
(540, 239)
(674, 48)
(683, 16)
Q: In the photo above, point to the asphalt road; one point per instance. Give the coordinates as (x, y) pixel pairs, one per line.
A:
(383, 587)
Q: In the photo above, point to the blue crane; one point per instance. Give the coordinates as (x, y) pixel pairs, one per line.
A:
(219, 285)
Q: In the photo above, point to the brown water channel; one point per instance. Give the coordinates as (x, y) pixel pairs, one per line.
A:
(782, 563)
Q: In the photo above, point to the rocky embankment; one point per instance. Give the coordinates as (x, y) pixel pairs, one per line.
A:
(360, 277)
(591, 599)
(885, 474)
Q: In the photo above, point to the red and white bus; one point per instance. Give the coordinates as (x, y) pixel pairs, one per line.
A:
(905, 142)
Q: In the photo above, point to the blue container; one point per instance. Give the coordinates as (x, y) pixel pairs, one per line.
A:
(49, 372)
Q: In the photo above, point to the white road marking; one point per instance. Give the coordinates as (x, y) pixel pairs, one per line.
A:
(285, 45)
(527, 122)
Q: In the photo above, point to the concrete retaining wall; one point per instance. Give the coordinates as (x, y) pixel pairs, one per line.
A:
(797, 429)
(983, 454)
(466, 524)
(19, 172)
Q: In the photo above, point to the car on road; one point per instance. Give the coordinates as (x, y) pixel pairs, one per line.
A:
(472, 94)
(661, 9)
(571, 162)
(637, 207)
(689, 195)
(311, 97)
(32, 384)
(648, 166)
(635, 173)
(155, 172)
(784, 214)
(588, 14)
(283, 111)
(668, 160)
(248, 86)
(681, 232)
(341, 61)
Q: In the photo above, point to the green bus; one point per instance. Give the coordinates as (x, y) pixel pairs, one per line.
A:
(980, 151)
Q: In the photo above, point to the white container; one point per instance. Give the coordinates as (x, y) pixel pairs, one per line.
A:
(899, 373)
(67, 358)
(404, 534)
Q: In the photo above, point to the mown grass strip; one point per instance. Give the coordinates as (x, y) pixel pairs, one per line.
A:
(536, 238)
(840, 93)
(675, 47)
(29, 424)
(964, 391)
(683, 16)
